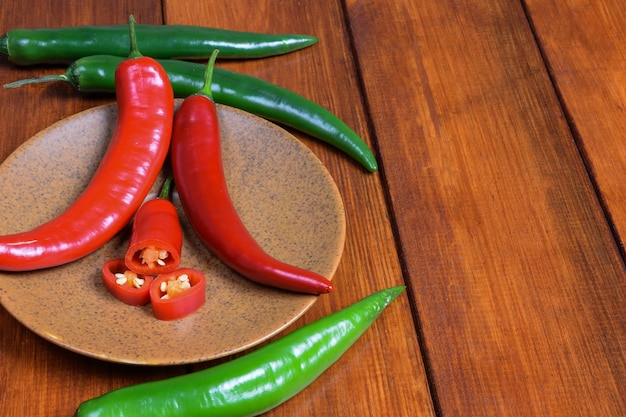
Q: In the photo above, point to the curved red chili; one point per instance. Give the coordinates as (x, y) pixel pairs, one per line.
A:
(121, 182)
(131, 288)
(199, 175)
(157, 238)
(177, 294)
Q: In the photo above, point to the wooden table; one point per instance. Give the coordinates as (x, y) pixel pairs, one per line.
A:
(499, 128)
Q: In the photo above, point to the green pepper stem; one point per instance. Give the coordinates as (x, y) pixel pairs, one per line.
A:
(4, 44)
(44, 79)
(208, 76)
(134, 46)
(165, 188)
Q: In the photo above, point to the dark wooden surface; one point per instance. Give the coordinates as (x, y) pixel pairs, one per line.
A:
(499, 128)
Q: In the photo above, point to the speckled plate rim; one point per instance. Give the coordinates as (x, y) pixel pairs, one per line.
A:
(182, 341)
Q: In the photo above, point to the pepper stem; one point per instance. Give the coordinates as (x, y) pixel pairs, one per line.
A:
(4, 45)
(44, 79)
(165, 188)
(208, 76)
(134, 46)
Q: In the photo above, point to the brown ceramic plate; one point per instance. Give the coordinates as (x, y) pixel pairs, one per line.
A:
(283, 193)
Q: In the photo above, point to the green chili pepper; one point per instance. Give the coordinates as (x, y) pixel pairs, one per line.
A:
(251, 384)
(251, 94)
(50, 45)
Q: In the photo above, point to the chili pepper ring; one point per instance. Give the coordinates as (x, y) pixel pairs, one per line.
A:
(171, 299)
(133, 290)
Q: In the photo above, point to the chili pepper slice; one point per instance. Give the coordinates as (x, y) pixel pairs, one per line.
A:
(245, 92)
(198, 171)
(156, 239)
(127, 286)
(253, 383)
(177, 294)
(133, 159)
(65, 44)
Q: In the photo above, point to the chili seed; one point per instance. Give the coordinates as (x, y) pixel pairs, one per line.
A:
(129, 277)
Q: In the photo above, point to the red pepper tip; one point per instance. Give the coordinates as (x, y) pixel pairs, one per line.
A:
(324, 287)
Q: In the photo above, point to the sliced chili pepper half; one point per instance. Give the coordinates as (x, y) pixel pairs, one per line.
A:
(177, 294)
(156, 240)
(127, 286)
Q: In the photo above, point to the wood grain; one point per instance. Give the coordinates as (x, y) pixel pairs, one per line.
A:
(584, 43)
(518, 283)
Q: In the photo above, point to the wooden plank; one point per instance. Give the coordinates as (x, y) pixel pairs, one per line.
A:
(382, 374)
(585, 45)
(516, 278)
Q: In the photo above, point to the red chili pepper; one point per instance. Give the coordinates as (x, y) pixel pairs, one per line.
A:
(131, 288)
(199, 175)
(157, 238)
(122, 181)
(177, 294)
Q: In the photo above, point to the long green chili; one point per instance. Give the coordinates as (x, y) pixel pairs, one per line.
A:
(66, 44)
(248, 93)
(251, 384)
